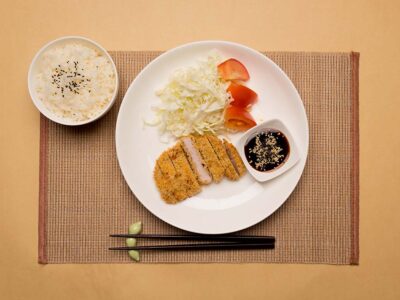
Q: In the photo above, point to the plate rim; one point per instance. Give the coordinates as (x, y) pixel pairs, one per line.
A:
(255, 52)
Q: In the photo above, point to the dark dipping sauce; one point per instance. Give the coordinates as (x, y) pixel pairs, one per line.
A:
(267, 150)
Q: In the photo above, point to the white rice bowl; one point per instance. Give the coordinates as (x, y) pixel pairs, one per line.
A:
(73, 81)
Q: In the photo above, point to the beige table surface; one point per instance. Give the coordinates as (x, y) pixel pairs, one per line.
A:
(370, 27)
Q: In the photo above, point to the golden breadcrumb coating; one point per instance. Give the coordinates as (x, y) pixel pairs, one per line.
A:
(235, 158)
(216, 143)
(164, 185)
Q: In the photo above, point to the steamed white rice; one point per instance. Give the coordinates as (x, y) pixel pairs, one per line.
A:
(75, 82)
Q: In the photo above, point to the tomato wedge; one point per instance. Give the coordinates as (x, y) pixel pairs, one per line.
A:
(232, 69)
(242, 95)
(238, 118)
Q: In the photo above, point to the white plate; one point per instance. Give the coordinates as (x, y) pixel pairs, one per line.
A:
(227, 206)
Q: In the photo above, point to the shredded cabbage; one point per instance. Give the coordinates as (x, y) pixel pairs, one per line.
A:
(194, 100)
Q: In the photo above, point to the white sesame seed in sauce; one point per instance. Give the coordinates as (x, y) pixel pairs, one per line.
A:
(267, 150)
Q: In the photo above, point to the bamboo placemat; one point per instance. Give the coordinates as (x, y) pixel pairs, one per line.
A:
(83, 196)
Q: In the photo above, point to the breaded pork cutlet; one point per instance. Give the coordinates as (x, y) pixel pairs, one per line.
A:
(180, 170)
(235, 158)
(196, 161)
(164, 185)
(185, 179)
(219, 149)
(209, 157)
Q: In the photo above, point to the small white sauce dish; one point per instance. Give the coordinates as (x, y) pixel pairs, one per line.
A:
(291, 160)
(34, 68)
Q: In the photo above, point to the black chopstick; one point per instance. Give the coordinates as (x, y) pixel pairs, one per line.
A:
(227, 238)
(204, 246)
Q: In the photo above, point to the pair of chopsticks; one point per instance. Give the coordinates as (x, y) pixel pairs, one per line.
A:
(219, 242)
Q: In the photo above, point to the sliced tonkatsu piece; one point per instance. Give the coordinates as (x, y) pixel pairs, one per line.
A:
(171, 177)
(186, 184)
(235, 158)
(164, 185)
(166, 166)
(209, 157)
(196, 161)
(219, 149)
